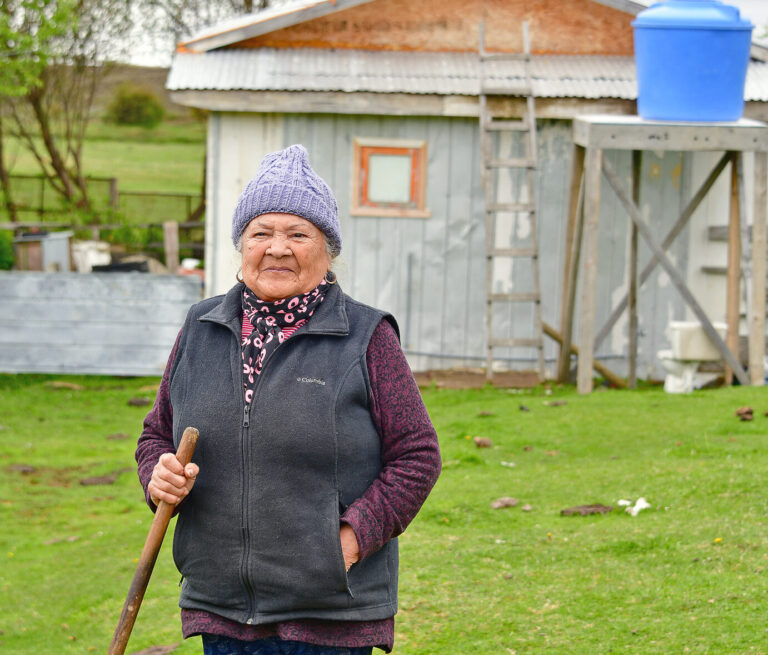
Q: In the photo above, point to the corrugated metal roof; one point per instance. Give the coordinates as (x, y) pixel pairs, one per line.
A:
(554, 76)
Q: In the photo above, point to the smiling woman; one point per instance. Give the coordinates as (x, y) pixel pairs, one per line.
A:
(315, 452)
(283, 255)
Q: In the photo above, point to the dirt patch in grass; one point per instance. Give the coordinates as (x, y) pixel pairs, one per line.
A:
(66, 476)
(475, 379)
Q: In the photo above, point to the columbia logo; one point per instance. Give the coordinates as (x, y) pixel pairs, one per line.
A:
(311, 380)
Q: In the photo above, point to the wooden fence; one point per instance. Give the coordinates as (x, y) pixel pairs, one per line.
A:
(171, 225)
(33, 195)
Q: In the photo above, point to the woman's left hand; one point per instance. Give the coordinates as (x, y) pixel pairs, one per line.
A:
(349, 546)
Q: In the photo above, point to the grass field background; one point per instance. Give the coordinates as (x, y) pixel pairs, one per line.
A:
(168, 158)
(686, 575)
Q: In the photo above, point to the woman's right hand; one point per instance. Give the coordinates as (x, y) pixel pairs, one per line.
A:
(170, 480)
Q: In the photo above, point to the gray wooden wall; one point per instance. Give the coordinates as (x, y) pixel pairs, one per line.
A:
(96, 323)
(430, 273)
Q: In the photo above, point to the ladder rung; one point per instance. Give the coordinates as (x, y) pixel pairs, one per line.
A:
(513, 252)
(505, 56)
(516, 343)
(524, 296)
(511, 162)
(500, 126)
(511, 207)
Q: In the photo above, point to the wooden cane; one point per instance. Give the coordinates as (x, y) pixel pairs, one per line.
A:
(149, 554)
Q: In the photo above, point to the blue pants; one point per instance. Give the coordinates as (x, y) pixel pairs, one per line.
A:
(216, 645)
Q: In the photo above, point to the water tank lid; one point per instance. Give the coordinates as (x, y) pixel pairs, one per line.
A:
(692, 14)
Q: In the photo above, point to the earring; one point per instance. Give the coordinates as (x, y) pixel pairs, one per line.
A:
(330, 277)
(238, 275)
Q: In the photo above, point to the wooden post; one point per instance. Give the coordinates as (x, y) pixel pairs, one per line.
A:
(759, 254)
(573, 232)
(171, 245)
(114, 196)
(734, 267)
(607, 373)
(41, 210)
(637, 163)
(592, 171)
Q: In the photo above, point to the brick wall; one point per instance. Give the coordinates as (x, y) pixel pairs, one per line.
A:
(557, 27)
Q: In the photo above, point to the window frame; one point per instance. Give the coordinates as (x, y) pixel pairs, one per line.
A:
(363, 149)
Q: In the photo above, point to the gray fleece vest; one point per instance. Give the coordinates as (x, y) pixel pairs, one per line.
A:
(257, 539)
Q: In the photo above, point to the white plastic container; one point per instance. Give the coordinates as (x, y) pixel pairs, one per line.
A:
(691, 342)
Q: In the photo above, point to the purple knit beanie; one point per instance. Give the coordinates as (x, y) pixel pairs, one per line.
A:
(286, 183)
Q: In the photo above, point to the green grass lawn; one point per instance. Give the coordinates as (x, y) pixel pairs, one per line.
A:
(169, 158)
(687, 575)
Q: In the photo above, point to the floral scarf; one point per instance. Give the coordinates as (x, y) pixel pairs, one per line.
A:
(269, 319)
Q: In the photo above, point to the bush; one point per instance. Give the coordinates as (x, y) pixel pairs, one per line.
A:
(6, 250)
(133, 105)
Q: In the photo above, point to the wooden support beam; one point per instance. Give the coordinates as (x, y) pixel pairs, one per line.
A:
(757, 305)
(674, 275)
(681, 222)
(637, 163)
(607, 373)
(733, 273)
(573, 232)
(593, 160)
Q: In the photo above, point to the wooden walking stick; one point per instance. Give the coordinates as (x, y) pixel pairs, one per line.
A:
(149, 554)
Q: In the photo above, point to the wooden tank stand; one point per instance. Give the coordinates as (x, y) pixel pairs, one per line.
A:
(592, 135)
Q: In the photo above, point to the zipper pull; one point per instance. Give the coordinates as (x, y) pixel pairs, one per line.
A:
(246, 421)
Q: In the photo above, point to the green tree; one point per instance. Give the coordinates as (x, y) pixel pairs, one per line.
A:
(27, 30)
(52, 116)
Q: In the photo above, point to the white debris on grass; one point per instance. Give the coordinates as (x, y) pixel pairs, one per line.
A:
(624, 503)
(640, 504)
(508, 464)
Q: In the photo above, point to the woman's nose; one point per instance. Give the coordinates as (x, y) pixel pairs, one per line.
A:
(278, 247)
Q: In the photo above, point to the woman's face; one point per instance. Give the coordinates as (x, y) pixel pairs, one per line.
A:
(283, 255)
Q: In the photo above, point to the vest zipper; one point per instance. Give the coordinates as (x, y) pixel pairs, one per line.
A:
(246, 491)
(246, 536)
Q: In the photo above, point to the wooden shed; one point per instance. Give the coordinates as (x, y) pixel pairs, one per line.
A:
(351, 79)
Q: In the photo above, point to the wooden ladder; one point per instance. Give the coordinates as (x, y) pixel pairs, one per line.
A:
(496, 131)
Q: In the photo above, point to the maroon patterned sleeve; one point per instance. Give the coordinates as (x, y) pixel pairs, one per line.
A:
(409, 449)
(157, 436)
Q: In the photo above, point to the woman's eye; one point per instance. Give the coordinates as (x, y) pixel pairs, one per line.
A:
(299, 235)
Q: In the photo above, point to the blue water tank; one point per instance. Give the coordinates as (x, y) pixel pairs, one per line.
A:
(691, 58)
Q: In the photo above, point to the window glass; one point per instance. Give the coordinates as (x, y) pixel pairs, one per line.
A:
(389, 178)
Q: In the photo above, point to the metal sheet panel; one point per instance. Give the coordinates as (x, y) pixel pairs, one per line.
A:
(99, 323)
(554, 76)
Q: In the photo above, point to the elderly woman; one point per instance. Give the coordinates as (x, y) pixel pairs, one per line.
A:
(316, 450)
